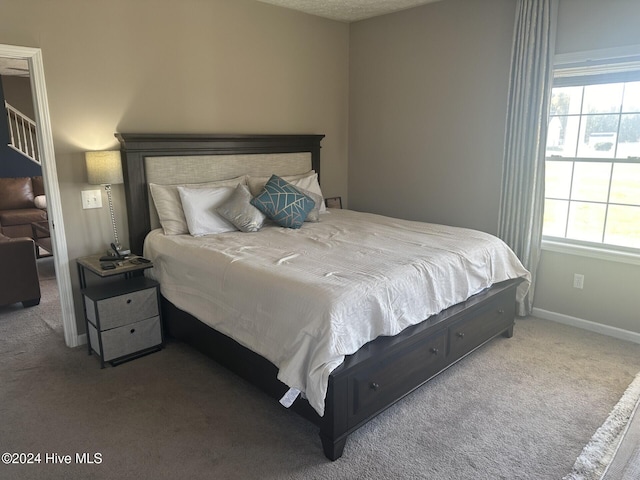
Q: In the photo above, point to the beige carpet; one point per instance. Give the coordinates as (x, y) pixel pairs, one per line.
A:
(519, 408)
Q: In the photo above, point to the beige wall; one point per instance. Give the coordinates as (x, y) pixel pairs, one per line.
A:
(609, 296)
(428, 96)
(585, 25)
(215, 66)
(427, 114)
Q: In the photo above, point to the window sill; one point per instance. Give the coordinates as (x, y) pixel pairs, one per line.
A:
(592, 252)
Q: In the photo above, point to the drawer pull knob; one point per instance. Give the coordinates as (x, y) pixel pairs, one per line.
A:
(133, 330)
(434, 351)
(500, 311)
(374, 386)
(128, 300)
(460, 334)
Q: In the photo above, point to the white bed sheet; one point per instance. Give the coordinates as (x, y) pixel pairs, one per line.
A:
(304, 299)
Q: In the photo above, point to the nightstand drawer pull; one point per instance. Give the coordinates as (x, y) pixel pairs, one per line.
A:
(128, 300)
(460, 334)
(133, 330)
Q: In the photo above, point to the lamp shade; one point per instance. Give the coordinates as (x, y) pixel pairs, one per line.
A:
(104, 168)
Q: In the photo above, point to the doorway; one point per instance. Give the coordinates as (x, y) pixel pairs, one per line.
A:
(33, 58)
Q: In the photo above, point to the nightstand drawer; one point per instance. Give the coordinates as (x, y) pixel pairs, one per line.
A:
(123, 309)
(127, 339)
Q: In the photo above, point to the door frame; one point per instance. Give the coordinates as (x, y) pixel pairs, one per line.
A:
(33, 56)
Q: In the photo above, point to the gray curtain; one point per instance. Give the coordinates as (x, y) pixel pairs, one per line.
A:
(522, 195)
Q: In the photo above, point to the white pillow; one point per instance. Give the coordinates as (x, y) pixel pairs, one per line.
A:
(169, 207)
(256, 184)
(40, 202)
(200, 204)
(307, 181)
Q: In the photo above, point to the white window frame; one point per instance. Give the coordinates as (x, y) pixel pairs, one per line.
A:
(611, 60)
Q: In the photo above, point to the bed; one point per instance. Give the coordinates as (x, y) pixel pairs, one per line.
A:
(359, 343)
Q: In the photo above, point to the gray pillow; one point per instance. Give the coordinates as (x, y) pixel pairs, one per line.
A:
(314, 214)
(240, 212)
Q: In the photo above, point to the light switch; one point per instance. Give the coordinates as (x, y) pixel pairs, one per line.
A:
(91, 199)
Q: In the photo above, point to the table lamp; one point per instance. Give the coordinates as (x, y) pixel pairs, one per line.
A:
(105, 168)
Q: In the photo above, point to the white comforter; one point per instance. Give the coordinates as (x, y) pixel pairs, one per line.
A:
(305, 298)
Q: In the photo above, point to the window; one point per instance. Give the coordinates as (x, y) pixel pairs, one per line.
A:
(592, 181)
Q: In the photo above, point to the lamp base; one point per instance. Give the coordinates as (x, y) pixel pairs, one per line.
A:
(122, 252)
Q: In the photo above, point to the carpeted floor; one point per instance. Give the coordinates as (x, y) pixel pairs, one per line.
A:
(519, 408)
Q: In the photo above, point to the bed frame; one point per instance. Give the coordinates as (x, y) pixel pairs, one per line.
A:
(369, 381)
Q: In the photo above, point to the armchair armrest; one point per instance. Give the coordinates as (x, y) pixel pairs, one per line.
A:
(15, 246)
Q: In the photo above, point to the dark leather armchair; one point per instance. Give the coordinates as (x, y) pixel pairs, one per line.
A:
(19, 281)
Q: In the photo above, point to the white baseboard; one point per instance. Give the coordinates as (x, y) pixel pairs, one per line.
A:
(82, 339)
(587, 325)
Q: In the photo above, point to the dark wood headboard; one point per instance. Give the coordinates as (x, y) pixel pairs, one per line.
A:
(136, 147)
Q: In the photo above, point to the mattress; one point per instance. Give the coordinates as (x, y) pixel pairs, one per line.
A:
(306, 298)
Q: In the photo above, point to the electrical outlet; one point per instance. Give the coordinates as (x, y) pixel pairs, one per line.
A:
(578, 281)
(91, 199)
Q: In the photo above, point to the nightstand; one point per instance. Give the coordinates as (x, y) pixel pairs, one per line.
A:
(122, 317)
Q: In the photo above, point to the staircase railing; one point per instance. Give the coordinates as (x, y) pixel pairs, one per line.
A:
(22, 133)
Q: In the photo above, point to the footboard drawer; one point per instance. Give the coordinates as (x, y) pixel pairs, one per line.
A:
(489, 321)
(381, 383)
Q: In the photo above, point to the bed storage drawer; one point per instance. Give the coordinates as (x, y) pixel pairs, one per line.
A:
(490, 320)
(376, 386)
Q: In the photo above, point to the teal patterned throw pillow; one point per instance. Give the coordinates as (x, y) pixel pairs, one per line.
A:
(283, 203)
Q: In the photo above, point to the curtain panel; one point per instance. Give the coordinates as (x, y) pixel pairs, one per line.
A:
(522, 195)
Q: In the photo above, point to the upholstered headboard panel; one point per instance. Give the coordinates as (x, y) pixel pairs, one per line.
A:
(209, 168)
(177, 158)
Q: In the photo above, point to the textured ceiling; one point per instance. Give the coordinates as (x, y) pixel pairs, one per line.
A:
(348, 10)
